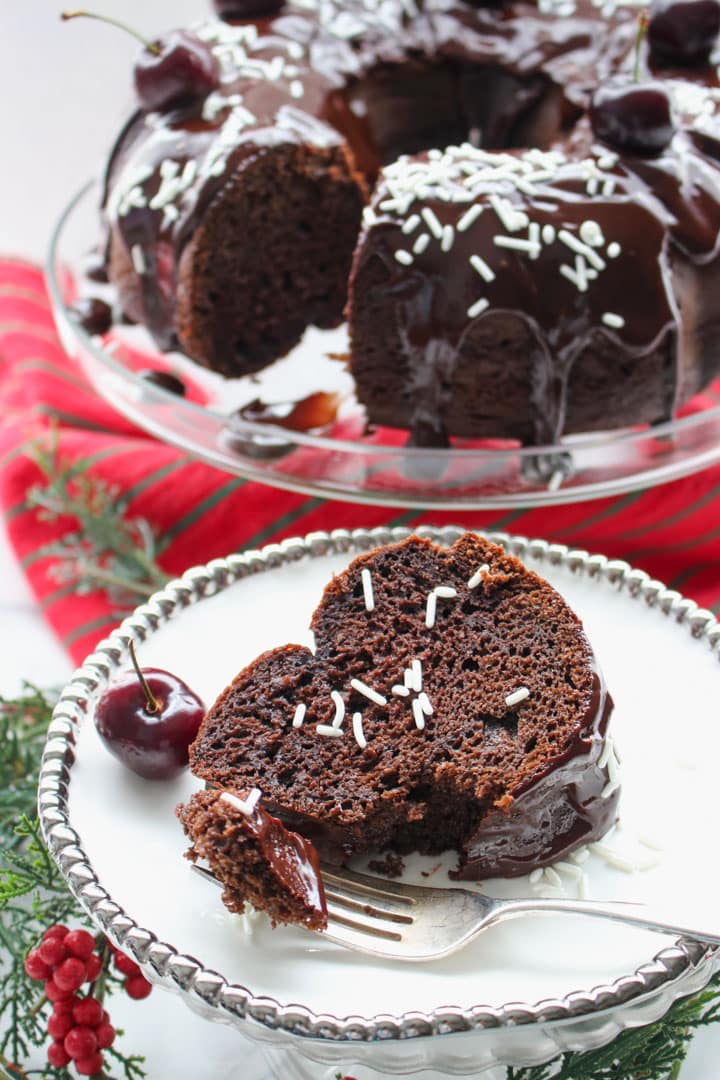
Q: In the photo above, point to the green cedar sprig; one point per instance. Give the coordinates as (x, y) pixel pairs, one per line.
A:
(106, 550)
(33, 893)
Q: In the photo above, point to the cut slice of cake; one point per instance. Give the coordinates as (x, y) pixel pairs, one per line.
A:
(452, 701)
(256, 859)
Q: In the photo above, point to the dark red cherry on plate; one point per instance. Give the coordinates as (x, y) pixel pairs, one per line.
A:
(247, 9)
(683, 32)
(633, 116)
(148, 719)
(173, 71)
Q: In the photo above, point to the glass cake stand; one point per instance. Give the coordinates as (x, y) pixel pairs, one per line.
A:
(341, 458)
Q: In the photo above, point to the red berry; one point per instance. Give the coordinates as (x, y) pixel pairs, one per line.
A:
(71, 974)
(59, 1024)
(54, 993)
(56, 930)
(88, 1011)
(64, 1007)
(80, 1042)
(90, 1065)
(58, 1056)
(126, 965)
(52, 951)
(137, 987)
(93, 967)
(35, 966)
(79, 943)
(105, 1034)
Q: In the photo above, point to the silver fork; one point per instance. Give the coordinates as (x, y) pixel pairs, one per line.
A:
(414, 922)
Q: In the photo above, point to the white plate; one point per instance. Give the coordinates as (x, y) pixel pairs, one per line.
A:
(121, 832)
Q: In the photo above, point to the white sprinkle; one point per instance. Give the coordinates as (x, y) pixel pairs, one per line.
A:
(400, 691)
(478, 576)
(613, 859)
(581, 855)
(548, 234)
(326, 729)
(534, 239)
(516, 243)
(486, 272)
(591, 233)
(616, 322)
(367, 587)
(409, 679)
(576, 245)
(648, 842)
(609, 789)
(421, 243)
(138, 259)
(430, 610)
(608, 187)
(582, 887)
(535, 875)
(368, 692)
(417, 675)
(425, 703)
(358, 730)
(517, 696)
(299, 715)
(553, 877)
(569, 869)
(245, 806)
(613, 250)
(578, 280)
(418, 714)
(592, 186)
(510, 218)
(555, 481)
(296, 88)
(339, 709)
(605, 753)
(448, 238)
(469, 217)
(478, 307)
(411, 224)
(445, 592)
(404, 257)
(432, 222)
(607, 160)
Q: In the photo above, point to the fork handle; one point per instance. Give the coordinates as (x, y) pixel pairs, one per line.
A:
(645, 916)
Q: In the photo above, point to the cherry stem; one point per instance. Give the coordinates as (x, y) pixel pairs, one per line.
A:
(642, 25)
(79, 13)
(152, 704)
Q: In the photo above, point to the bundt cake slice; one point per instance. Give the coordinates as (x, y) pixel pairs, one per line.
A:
(452, 701)
(254, 857)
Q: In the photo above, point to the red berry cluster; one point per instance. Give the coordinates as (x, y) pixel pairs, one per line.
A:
(78, 1025)
(136, 985)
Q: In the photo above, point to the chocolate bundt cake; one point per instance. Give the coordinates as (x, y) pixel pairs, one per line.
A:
(256, 860)
(452, 701)
(528, 281)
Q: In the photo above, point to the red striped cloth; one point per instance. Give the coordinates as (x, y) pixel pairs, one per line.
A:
(200, 513)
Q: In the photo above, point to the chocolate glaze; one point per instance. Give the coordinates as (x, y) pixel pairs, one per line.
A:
(553, 813)
(404, 79)
(291, 858)
(93, 314)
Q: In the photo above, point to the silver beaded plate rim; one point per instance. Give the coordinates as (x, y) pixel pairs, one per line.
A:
(209, 990)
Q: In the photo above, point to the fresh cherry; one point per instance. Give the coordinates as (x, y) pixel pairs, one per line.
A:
(148, 719)
(246, 9)
(633, 116)
(683, 31)
(175, 70)
(94, 315)
(165, 379)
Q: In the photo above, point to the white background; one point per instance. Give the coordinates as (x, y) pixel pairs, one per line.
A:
(63, 92)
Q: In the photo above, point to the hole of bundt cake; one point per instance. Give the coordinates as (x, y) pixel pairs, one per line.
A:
(271, 257)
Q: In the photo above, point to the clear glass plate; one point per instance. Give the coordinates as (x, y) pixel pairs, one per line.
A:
(344, 460)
